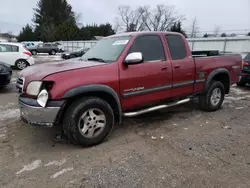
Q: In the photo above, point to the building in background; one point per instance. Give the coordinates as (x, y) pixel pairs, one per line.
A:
(6, 37)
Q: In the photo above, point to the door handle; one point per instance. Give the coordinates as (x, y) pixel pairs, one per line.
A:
(176, 66)
(164, 68)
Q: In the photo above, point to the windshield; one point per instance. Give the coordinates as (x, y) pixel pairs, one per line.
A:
(107, 50)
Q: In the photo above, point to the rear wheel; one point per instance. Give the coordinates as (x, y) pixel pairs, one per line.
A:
(34, 52)
(21, 64)
(213, 98)
(88, 121)
(52, 52)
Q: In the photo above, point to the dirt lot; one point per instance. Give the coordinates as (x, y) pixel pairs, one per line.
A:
(178, 147)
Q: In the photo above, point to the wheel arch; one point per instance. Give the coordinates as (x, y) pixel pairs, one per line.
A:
(98, 90)
(220, 74)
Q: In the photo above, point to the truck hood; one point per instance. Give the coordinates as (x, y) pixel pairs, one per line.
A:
(39, 71)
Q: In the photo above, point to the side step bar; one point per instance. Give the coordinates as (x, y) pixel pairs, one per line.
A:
(151, 109)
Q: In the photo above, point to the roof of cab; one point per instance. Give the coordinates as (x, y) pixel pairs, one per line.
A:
(137, 33)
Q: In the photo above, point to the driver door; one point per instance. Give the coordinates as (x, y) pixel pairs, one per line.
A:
(150, 81)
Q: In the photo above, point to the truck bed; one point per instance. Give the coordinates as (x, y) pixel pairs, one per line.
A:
(207, 64)
(210, 53)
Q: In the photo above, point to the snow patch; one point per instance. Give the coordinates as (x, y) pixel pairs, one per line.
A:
(238, 91)
(56, 163)
(30, 167)
(9, 114)
(13, 80)
(60, 172)
(9, 105)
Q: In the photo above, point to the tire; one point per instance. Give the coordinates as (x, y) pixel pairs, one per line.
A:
(34, 52)
(209, 102)
(21, 64)
(52, 52)
(241, 83)
(72, 56)
(78, 122)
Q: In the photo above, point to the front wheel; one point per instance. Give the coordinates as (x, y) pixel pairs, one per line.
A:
(212, 99)
(88, 121)
(241, 83)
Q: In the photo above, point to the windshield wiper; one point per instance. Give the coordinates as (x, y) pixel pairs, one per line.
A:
(96, 59)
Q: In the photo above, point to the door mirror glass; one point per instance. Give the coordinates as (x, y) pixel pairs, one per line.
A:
(134, 58)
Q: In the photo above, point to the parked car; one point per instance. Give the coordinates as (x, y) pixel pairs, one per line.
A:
(29, 44)
(123, 75)
(60, 46)
(15, 54)
(5, 74)
(78, 53)
(49, 48)
(245, 74)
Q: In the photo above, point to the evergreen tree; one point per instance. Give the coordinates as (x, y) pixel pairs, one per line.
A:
(26, 34)
(205, 35)
(177, 27)
(51, 15)
(223, 35)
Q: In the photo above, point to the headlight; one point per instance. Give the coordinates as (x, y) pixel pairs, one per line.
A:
(43, 98)
(33, 88)
(3, 69)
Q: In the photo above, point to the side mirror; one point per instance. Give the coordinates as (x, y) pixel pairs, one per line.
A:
(133, 58)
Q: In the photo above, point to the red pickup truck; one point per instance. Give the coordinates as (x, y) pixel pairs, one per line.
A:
(123, 75)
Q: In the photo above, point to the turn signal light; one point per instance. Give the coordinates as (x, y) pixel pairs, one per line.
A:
(245, 63)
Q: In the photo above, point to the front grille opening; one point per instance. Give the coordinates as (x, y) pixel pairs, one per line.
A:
(19, 84)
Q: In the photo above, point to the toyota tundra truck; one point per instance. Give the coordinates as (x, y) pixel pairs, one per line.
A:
(123, 75)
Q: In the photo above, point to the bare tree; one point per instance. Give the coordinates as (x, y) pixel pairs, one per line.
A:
(217, 30)
(116, 26)
(78, 18)
(143, 18)
(128, 17)
(159, 19)
(194, 28)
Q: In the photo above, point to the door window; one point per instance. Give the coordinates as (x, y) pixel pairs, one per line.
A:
(150, 46)
(176, 46)
(8, 48)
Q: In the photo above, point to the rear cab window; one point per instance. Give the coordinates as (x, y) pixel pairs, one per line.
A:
(150, 46)
(176, 47)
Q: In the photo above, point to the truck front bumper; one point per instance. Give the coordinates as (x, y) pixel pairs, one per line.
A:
(32, 113)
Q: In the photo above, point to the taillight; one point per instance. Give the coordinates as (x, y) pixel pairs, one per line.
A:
(245, 64)
(27, 53)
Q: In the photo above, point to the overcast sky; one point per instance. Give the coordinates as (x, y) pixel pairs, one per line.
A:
(228, 14)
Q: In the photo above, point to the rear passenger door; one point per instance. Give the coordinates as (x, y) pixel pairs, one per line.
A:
(147, 82)
(182, 64)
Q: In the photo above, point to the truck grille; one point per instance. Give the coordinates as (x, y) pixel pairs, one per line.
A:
(19, 84)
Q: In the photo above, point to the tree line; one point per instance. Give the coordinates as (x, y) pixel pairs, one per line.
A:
(55, 20)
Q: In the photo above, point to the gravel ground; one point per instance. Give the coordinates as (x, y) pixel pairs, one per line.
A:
(177, 147)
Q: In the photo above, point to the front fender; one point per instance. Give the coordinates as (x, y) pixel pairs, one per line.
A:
(81, 90)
